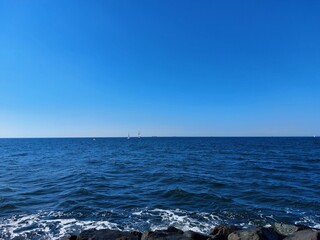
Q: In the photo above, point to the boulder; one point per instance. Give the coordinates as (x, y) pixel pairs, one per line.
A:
(106, 234)
(195, 235)
(244, 235)
(173, 229)
(70, 237)
(221, 232)
(288, 229)
(173, 233)
(136, 233)
(269, 234)
(254, 234)
(304, 235)
(169, 234)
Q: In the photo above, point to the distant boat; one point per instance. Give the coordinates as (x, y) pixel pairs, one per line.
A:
(94, 139)
(139, 135)
(128, 136)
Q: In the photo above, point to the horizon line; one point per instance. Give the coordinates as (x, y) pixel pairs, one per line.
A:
(94, 137)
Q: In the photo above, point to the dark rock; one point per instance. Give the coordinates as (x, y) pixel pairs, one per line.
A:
(288, 229)
(304, 235)
(195, 235)
(173, 229)
(106, 234)
(269, 234)
(222, 232)
(136, 233)
(163, 235)
(69, 237)
(72, 237)
(254, 234)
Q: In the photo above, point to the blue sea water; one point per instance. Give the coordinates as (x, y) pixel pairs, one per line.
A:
(50, 187)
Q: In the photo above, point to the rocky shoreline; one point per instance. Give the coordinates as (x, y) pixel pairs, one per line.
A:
(277, 231)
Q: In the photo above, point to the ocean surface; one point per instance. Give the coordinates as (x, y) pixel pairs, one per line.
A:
(50, 187)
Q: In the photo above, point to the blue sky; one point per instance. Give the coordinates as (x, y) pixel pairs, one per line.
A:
(166, 68)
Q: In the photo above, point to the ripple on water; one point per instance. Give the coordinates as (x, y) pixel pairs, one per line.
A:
(248, 178)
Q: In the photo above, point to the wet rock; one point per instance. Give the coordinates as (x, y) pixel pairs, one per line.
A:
(173, 233)
(288, 229)
(173, 229)
(221, 232)
(304, 235)
(136, 233)
(195, 235)
(254, 234)
(70, 237)
(269, 234)
(106, 234)
(164, 235)
(244, 235)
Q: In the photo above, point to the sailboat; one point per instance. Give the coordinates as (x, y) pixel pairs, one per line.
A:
(128, 136)
(139, 135)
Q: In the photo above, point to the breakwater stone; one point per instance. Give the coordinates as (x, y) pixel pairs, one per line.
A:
(279, 231)
(106, 234)
(288, 229)
(173, 233)
(222, 232)
(304, 235)
(255, 234)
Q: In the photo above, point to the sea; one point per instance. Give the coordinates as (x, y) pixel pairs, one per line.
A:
(53, 187)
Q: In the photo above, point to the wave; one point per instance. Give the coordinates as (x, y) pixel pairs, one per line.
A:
(19, 155)
(41, 227)
(55, 225)
(7, 206)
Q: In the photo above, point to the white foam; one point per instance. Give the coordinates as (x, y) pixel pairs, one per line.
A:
(201, 222)
(38, 225)
(56, 225)
(310, 221)
(317, 226)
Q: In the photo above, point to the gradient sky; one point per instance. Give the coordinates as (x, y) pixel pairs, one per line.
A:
(166, 68)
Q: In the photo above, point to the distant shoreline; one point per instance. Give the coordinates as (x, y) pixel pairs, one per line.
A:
(134, 137)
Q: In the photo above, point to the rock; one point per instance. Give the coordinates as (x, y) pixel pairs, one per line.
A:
(106, 234)
(170, 234)
(221, 232)
(195, 235)
(173, 229)
(136, 233)
(288, 229)
(304, 235)
(244, 235)
(269, 234)
(254, 234)
(70, 237)
(173, 233)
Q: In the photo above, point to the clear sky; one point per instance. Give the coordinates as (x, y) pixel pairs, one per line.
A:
(166, 68)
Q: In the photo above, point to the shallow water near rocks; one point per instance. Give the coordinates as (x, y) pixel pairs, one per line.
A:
(50, 187)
